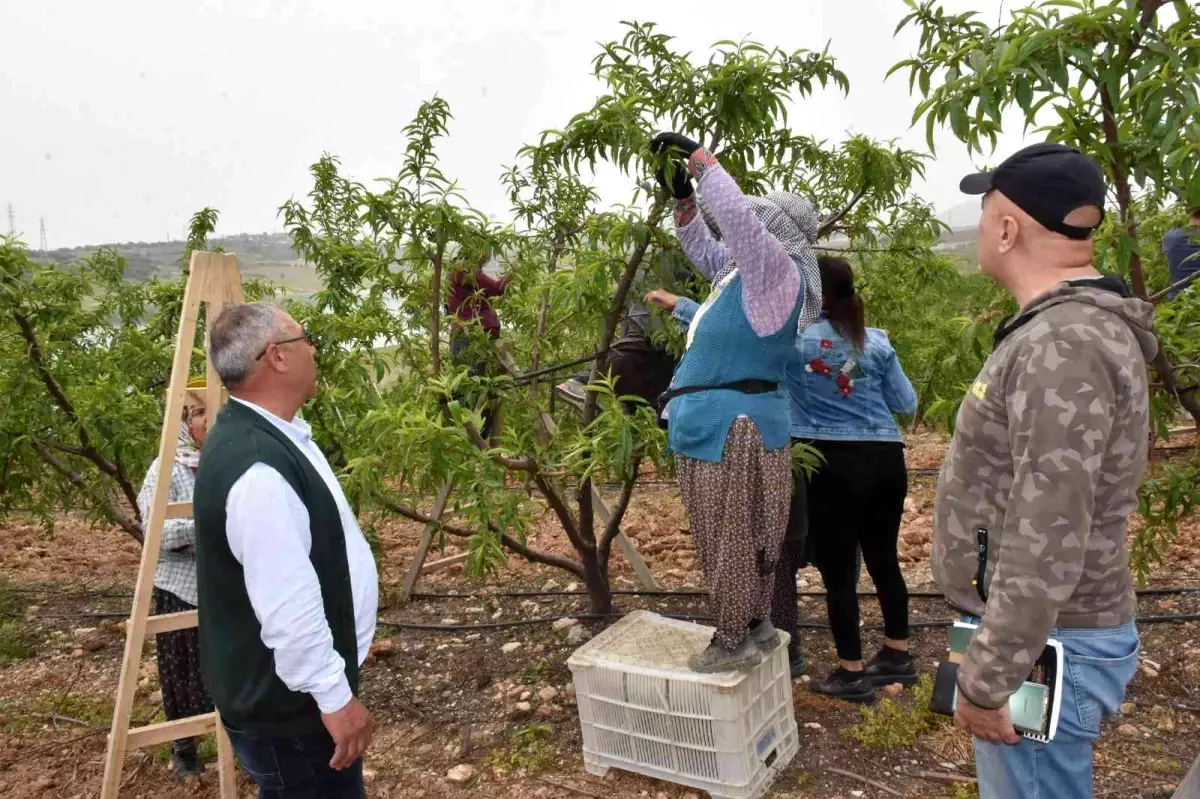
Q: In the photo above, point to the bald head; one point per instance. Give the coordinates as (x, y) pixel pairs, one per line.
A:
(1016, 250)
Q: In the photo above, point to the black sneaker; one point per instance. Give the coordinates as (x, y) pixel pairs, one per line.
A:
(891, 666)
(798, 664)
(843, 684)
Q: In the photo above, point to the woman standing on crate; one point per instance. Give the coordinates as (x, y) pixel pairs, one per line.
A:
(183, 691)
(728, 415)
(846, 387)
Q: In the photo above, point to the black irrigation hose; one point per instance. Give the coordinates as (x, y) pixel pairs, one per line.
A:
(1177, 618)
(701, 592)
(502, 625)
(690, 592)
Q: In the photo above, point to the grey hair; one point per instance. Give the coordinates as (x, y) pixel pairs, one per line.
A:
(239, 334)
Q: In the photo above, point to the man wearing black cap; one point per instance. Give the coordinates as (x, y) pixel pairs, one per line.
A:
(1035, 494)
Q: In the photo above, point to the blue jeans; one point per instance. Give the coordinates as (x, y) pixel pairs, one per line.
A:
(1099, 664)
(296, 768)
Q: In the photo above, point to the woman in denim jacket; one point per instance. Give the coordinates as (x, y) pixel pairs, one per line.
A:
(846, 385)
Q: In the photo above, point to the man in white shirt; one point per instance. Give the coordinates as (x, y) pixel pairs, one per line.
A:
(287, 582)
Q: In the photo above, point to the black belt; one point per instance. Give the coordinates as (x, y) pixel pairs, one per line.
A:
(744, 386)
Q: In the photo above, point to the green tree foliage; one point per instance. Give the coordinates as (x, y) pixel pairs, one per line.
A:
(85, 353)
(403, 419)
(85, 356)
(1118, 79)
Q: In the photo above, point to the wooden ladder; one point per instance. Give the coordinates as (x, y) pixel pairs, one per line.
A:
(214, 280)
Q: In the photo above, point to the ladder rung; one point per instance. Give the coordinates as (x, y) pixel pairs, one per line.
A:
(164, 731)
(444, 562)
(179, 510)
(170, 622)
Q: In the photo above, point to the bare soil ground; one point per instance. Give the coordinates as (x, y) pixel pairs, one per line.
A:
(444, 698)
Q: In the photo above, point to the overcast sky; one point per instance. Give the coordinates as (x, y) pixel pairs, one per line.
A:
(120, 119)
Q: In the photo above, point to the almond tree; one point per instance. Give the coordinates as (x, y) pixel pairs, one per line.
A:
(85, 355)
(404, 420)
(1118, 79)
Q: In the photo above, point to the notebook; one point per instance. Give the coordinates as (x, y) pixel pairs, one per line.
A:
(1036, 704)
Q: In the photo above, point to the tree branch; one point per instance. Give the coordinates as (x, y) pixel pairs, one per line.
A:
(565, 518)
(534, 555)
(829, 224)
(1166, 375)
(1149, 10)
(1176, 286)
(417, 516)
(618, 302)
(110, 508)
(88, 449)
(613, 528)
(590, 404)
(537, 556)
(1112, 138)
(515, 464)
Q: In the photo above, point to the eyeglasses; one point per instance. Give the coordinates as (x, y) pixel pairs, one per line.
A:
(305, 337)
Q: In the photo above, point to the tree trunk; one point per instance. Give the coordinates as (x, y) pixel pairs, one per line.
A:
(595, 577)
(1162, 367)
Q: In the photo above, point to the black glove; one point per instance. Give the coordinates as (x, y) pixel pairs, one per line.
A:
(680, 185)
(663, 140)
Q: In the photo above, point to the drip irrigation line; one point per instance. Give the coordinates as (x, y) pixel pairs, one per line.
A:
(503, 625)
(688, 592)
(1169, 591)
(1177, 618)
(71, 594)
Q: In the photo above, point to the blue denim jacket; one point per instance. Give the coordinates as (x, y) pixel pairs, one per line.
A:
(838, 394)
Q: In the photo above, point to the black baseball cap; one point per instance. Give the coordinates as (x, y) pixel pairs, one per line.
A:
(1047, 181)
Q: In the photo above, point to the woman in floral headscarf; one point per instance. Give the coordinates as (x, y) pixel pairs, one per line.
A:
(728, 414)
(179, 677)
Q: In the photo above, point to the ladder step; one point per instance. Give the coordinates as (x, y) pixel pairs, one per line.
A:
(444, 562)
(170, 622)
(164, 731)
(179, 510)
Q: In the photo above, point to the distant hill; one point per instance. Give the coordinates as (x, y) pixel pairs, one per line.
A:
(270, 255)
(263, 255)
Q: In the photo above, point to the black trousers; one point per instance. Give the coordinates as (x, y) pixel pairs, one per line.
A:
(183, 691)
(856, 500)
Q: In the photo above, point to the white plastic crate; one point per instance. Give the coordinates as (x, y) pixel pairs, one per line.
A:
(643, 710)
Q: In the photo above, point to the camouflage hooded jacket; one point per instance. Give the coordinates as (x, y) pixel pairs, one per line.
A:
(1044, 468)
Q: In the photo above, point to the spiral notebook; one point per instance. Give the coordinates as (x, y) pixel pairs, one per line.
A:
(1034, 707)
